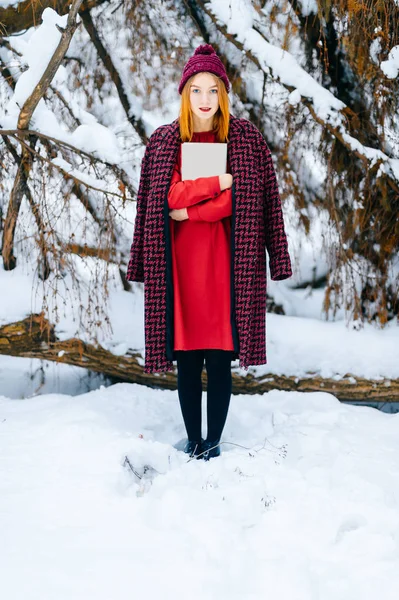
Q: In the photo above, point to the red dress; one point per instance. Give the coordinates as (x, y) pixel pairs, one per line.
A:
(201, 255)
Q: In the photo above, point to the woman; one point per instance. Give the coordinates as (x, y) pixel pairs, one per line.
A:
(199, 247)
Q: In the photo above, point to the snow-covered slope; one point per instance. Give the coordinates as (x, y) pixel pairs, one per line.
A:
(302, 504)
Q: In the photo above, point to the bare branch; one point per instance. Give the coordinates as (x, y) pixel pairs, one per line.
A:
(45, 268)
(67, 174)
(118, 172)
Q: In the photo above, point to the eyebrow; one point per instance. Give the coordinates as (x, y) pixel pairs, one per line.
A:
(198, 86)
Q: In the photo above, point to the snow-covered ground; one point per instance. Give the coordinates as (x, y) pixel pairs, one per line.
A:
(303, 503)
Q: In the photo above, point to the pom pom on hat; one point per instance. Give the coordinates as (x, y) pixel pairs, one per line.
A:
(204, 59)
(205, 49)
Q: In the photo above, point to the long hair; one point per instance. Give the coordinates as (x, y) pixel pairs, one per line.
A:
(220, 120)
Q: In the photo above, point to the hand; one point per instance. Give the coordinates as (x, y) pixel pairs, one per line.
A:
(179, 214)
(226, 181)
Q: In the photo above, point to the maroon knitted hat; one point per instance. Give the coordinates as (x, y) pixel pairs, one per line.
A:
(204, 59)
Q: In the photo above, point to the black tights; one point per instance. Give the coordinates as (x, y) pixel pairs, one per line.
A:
(189, 386)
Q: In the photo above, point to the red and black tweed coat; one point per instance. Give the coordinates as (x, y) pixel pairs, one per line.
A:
(257, 225)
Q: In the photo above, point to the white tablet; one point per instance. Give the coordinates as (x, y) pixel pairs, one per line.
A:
(203, 159)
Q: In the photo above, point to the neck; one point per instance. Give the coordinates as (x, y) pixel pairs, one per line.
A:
(201, 126)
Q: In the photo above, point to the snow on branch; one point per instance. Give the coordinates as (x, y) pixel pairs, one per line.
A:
(54, 24)
(20, 16)
(390, 67)
(40, 54)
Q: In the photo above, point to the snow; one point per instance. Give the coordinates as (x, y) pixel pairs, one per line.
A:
(391, 66)
(26, 377)
(41, 45)
(299, 347)
(375, 49)
(294, 98)
(36, 49)
(96, 138)
(308, 7)
(302, 503)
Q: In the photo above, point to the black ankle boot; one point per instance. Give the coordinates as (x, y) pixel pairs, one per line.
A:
(210, 449)
(193, 448)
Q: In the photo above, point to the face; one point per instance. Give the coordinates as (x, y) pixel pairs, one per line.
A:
(204, 94)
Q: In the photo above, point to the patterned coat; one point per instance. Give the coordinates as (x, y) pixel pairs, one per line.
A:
(257, 224)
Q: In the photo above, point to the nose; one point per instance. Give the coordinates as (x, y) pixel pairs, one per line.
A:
(205, 96)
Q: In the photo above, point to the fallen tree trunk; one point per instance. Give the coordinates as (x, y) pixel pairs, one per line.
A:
(34, 337)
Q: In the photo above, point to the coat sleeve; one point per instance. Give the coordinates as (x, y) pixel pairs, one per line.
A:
(276, 239)
(135, 269)
(183, 194)
(212, 210)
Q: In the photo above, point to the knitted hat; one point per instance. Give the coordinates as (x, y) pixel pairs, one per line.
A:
(204, 59)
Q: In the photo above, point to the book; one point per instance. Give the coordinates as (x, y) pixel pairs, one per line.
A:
(203, 159)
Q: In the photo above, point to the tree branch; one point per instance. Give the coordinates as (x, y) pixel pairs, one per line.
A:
(40, 89)
(17, 18)
(106, 59)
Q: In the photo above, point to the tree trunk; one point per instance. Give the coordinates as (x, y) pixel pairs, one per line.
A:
(34, 337)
